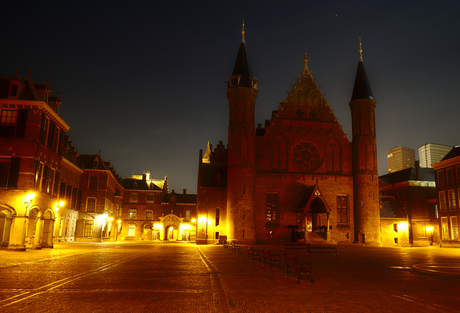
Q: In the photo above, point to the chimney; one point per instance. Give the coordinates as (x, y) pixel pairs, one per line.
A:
(185, 191)
(418, 175)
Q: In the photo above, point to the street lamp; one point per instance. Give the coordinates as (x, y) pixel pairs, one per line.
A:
(58, 205)
(28, 199)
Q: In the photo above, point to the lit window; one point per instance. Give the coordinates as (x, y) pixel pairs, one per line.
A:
(8, 121)
(187, 215)
(149, 198)
(91, 205)
(452, 200)
(342, 210)
(149, 215)
(442, 201)
(133, 198)
(88, 229)
(132, 214)
(454, 227)
(131, 230)
(272, 207)
(445, 228)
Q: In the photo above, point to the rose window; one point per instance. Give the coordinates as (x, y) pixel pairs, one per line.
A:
(307, 156)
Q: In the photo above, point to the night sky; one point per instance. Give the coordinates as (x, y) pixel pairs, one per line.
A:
(144, 82)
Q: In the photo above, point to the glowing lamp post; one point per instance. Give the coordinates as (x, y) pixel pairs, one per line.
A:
(28, 199)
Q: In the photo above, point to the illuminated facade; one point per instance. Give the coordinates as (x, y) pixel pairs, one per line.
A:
(448, 192)
(100, 202)
(32, 136)
(400, 158)
(411, 191)
(296, 178)
(150, 212)
(430, 153)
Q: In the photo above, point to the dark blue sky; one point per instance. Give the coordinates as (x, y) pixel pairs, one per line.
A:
(144, 82)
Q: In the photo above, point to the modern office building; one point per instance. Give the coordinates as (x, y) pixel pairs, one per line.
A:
(430, 153)
(400, 158)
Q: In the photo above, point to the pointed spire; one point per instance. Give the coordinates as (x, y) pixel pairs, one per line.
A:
(305, 60)
(242, 31)
(362, 88)
(30, 73)
(242, 69)
(207, 155)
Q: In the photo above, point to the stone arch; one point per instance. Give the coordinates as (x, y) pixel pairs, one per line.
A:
(7, 214)
(171, 233)
(32, 235)
(147, 229)
(47, 228)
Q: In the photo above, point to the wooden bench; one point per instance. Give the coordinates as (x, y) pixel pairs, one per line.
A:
(294, 246)
(271, 259)
(303, 270)
(254, 254)
(322, 249)
(235, 248)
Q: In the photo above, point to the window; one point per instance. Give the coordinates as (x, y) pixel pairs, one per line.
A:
(9, 172)
(133, 198)
(450, 175)
(149, 215)
(442, 201)
(445, 228)
(149, 198)
(131, 230)
(14, 89)
(342, 210)
(458, 173)
(454, 227)
(132, 214)
(272, 207)
(441, 177)
(8, 123)
(187, 215)
(217, 216)
(91, 205)
(88, 229)
(452, 200)
(93, 182)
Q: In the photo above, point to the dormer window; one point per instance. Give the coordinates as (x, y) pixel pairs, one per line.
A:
(235, 80)
(14, 89)
(95, 163)
(254, 84)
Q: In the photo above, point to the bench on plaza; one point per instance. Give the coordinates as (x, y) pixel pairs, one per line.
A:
(254, 254)
(303, 270)
(309, 248)
(235, 248)
(322, 249)
(271, 259)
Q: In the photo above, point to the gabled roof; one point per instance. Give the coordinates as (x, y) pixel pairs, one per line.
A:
(455, 152)
(138, 184)
(86, 161)
(390, 208)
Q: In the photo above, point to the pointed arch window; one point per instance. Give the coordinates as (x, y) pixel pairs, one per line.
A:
(333, 156)
(279, 153)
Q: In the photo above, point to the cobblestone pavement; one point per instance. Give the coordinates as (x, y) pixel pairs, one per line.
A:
(181, 277)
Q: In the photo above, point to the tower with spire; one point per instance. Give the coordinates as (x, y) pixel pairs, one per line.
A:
(365, 174)
(298, 176)
(241, 95)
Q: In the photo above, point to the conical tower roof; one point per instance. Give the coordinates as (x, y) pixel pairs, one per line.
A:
(242, 66)
(362, 88)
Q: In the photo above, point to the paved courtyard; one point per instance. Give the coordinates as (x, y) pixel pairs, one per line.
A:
(181, 277)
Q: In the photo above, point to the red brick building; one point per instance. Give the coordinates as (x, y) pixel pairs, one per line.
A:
(298, 177)
(448, 192)
(31, 144)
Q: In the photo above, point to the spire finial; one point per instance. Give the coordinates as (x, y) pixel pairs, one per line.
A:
(360, 48)
(305, 60)
(242, 31)
(30, 73)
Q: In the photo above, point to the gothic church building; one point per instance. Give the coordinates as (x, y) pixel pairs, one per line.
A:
(298, 178)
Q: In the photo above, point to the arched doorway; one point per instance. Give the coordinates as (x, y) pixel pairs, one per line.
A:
(171, 233)
(6, 217)
(47, 229)
(147, 233)
(32, 230)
